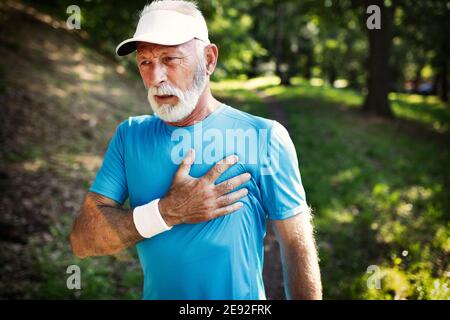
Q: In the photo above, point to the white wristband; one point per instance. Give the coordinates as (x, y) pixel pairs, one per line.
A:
(148, 220)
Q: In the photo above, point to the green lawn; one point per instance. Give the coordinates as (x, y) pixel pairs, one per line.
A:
(379, 188)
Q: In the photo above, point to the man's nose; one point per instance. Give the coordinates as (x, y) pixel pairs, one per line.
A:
(158, 75)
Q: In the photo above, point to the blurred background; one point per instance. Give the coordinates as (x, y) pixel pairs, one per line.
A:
(367, 110)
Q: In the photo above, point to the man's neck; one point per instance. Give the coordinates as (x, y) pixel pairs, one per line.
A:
(205, 106)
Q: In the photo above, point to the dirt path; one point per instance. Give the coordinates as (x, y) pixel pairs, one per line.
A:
(61, 104)
(276, 110)
(273, 276)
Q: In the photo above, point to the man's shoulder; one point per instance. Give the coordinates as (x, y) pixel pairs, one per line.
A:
(249, 120)
(137, 122)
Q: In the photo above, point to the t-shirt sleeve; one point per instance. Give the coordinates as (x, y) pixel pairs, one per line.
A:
(282, 192)
(110, 180)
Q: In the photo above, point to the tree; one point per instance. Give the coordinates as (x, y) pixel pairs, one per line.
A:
(378, 78)
(280, 27)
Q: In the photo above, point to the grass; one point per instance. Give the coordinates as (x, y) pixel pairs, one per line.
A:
(378, 191)
(101, 277)
(61, 104)
(379, 188)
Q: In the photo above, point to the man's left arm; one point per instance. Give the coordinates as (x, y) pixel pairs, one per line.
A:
(299, 257)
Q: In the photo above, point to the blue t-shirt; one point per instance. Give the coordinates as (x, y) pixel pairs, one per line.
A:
(221, 258)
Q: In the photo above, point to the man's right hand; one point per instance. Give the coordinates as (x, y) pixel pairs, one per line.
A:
(194, 200)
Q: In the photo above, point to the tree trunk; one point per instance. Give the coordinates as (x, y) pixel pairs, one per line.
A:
(378, 82)
(353, 79)
(332, 76)
(417, 79)
(444, 83)
(309, 66)
(279, 45)
(443, 92)
(309, 63)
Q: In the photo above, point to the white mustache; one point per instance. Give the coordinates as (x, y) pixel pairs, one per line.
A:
(165, 89)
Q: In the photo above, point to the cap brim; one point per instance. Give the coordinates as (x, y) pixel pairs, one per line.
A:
(129, 45)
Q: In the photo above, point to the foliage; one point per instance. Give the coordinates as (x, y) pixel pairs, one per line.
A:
(101, 277)
(326, 39)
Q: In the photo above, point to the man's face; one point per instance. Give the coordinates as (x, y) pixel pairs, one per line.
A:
(175, 77)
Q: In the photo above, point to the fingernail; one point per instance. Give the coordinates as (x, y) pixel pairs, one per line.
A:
(248, 175)
(231, 159)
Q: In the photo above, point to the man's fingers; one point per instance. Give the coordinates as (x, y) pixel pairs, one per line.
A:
(185, 166)
(231, 184)
(228, 209)
(220, 167)
(226, 199)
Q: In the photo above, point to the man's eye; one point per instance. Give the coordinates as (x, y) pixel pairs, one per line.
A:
(171, 60)
(145, 63)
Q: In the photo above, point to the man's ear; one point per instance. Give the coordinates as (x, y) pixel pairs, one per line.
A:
(212, 54)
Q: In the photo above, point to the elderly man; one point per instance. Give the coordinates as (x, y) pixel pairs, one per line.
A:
(200, 196)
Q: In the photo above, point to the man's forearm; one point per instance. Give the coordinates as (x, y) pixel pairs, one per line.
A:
(301, 273)
(299, 257)
(102, 229)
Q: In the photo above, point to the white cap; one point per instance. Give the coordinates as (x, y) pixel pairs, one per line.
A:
(165, 27)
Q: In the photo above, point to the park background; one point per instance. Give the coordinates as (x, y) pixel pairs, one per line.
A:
(367, 110)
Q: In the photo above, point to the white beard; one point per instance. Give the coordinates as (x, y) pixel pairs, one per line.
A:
(187, 100)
